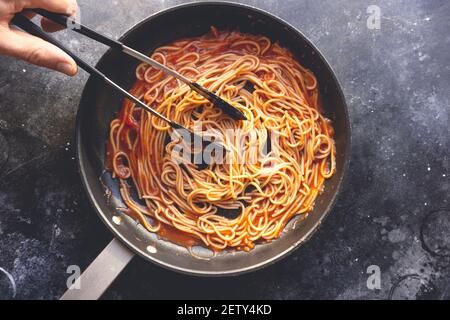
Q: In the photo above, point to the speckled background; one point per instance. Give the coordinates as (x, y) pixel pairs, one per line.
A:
(393, 211)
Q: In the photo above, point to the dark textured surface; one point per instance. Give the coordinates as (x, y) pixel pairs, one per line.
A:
(393, 211)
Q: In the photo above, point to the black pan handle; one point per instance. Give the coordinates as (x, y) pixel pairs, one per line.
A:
(65, 21)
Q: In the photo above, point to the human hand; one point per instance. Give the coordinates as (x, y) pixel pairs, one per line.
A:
(15, 43)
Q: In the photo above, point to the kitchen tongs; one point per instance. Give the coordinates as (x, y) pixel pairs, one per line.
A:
(86, 31)
(28, 26)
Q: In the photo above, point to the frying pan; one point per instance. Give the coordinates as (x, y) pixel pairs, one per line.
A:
(99, 104)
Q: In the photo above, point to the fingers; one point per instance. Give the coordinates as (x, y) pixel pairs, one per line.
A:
(29, 15)
(36, 51)
(50, 26)
(68, 7)
(46, 24)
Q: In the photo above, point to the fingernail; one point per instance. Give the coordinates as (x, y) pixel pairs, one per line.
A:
(66, 68)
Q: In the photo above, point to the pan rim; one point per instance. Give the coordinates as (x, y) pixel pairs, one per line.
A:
(281, 254)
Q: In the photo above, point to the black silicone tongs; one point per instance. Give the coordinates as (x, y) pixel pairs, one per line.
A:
(86, 31)
(28, 26)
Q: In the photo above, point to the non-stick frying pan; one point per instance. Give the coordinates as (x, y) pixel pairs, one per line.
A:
(99, 105)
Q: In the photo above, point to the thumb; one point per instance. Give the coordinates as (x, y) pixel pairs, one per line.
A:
(36, 51)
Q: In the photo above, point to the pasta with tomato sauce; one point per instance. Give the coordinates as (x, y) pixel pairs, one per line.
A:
(263, 184)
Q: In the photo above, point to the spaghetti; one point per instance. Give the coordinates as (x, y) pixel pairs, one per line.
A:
(265, 183)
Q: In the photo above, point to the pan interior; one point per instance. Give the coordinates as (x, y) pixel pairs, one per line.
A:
(99, 105)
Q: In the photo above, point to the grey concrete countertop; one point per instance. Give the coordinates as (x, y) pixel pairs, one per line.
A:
(393, 212)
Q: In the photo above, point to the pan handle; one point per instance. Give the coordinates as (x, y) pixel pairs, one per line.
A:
(101, 273)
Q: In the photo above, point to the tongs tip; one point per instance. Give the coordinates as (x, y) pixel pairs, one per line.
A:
(223, 105)
(229, 109)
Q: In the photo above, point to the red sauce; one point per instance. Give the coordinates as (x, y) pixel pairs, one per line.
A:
(178, 237)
